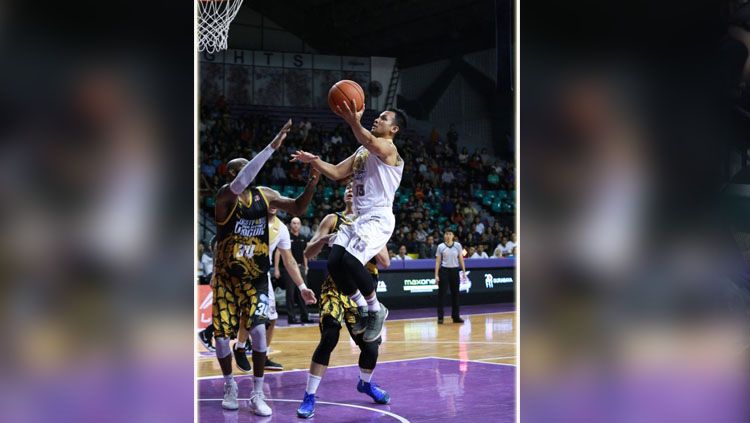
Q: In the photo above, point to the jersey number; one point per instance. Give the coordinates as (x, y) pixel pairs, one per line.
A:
(246, 251)
(360, 190)
(261, 309)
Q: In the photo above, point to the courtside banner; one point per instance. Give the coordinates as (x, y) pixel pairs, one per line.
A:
(204, 297)
(411, 283)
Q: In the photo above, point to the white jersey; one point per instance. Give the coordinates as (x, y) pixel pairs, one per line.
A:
(278, 236)
(375, 183)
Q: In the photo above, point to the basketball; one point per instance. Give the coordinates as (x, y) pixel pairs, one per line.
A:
(346, 91)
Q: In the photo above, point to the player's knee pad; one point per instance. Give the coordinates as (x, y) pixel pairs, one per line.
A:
(369, 355)
(329, 338)
(258, 337)
(222, 347)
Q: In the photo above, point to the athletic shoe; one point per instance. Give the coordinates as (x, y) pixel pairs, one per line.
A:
(240, 357)
(258, 404)
(307, 408)
(375, 320)
(230, 396)
(440, 320)
(272, 365)
(458, 320)
(375, 392)
(360, 326)
(206, 341)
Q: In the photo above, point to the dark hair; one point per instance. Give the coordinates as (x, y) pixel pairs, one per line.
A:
(400, 118)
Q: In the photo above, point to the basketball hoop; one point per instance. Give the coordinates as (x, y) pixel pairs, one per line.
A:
(214, 17)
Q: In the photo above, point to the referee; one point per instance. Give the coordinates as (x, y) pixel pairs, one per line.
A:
(447, 258)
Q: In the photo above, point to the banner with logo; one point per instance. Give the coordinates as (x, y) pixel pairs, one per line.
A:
(204, 298)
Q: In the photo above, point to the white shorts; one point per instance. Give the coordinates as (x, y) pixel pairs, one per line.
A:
(368, 234)
(272, 314)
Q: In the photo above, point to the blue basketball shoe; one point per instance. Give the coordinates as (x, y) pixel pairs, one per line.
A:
(374, 391)
(307, 408)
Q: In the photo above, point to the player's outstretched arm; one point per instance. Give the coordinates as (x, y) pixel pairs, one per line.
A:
(247, 174)
(295, 206)
(377, 146)
(321, 237)
(331, 171)
(290, 264)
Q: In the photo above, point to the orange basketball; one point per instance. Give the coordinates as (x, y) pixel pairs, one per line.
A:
(346, 91)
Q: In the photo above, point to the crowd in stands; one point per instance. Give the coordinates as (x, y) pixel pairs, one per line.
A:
(443, 186)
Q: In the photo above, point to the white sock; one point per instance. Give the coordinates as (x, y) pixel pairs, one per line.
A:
(312, 383)
(373, 304)
(364, 375)
(258, 384)
(239, 345)
(228, 379)
(359, 299)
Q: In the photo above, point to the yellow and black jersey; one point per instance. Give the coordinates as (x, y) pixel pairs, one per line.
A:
(342, 219)
(242, 238)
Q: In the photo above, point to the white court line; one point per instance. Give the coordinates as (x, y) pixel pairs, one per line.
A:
(299, 341)
(435, 317)
(493, 358)
(474, 361)
(304, 370)
(387, 413)
(400, 320)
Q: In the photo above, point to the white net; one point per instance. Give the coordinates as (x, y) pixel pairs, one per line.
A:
(214, 17)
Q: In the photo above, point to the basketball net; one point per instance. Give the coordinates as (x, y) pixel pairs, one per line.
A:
(214, 17)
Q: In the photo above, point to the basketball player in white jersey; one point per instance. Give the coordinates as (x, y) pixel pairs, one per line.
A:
(377, 169)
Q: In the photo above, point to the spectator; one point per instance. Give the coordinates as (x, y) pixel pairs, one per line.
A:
(479, 226)
(304, 128)
(420, 234)
(295, 174)
(472, 252)
(463, 158)
(411, 242)
(480, 253)
(468, 212)
(500, 249)
(510, 245)
(305, 229)
(428, 249)
(336, 138)
(278, 174)
(485, 157)
(402, 254)
(208, 168)
(448, 177)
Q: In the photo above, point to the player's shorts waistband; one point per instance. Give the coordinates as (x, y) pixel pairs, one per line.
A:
(375, 210)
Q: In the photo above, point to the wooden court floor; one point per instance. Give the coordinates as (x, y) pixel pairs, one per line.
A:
(487, 337)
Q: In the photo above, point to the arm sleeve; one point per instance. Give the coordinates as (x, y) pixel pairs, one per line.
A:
(247, 174)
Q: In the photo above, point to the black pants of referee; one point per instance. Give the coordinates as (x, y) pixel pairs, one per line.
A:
(293, 296)
(448, 280)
